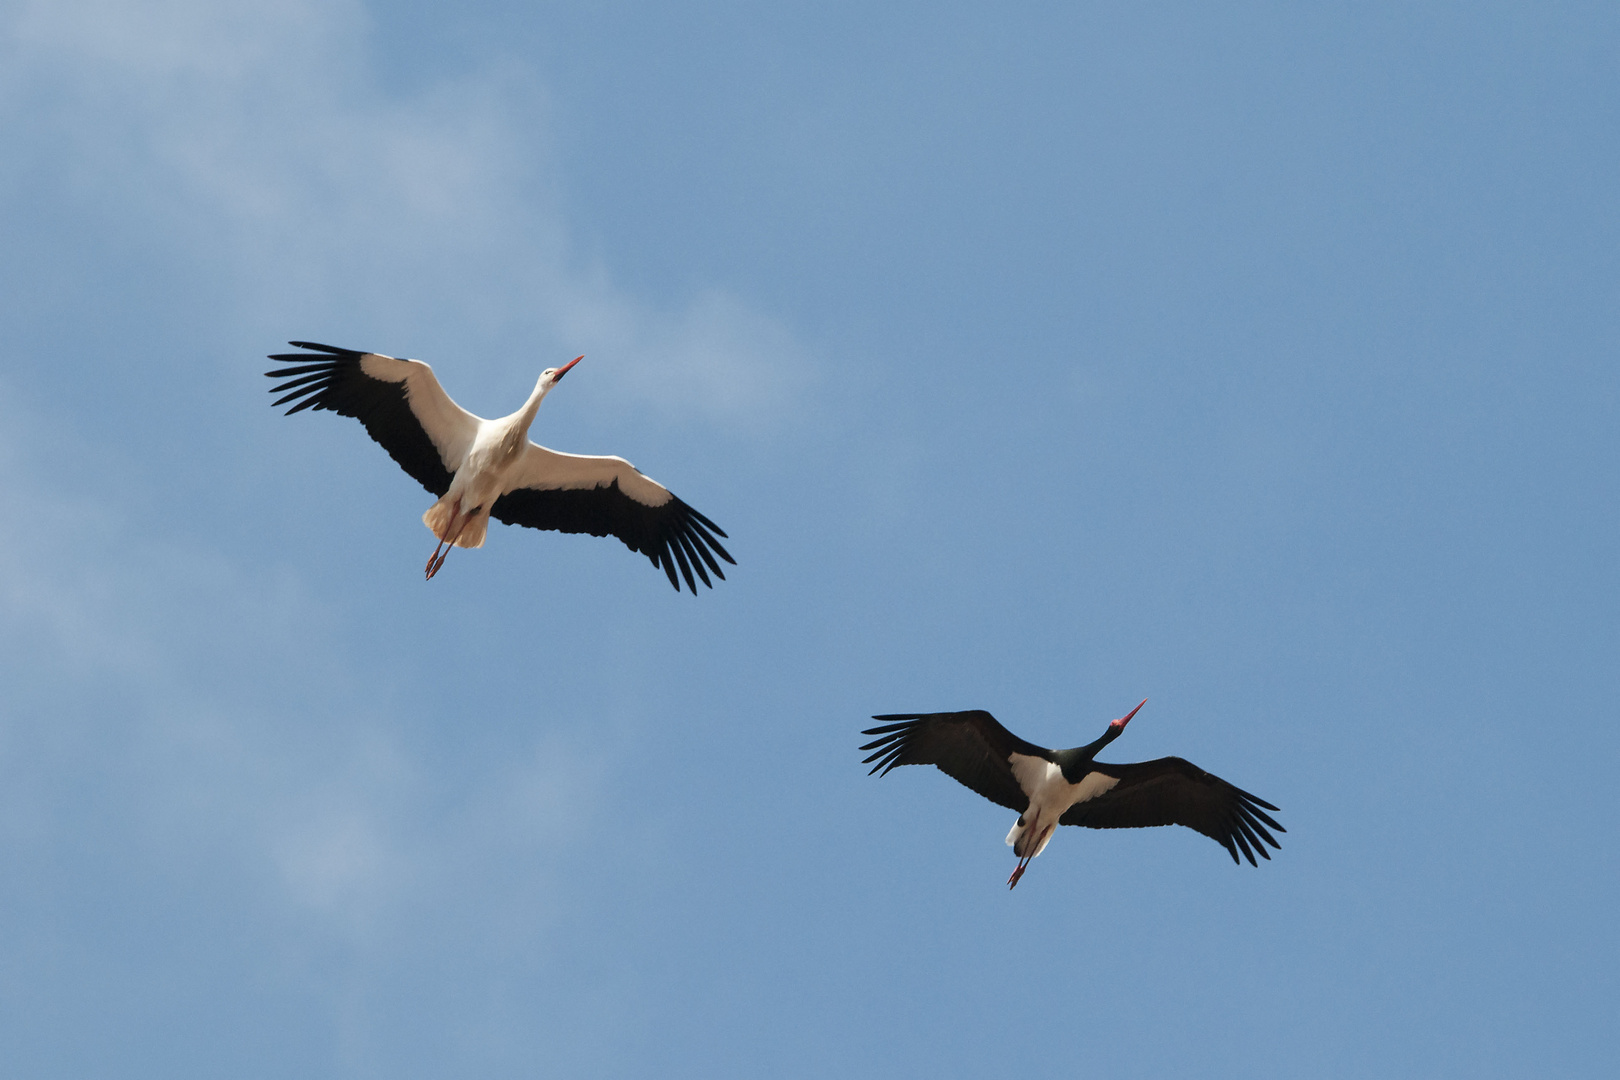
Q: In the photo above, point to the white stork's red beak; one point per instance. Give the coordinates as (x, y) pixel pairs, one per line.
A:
(564, 369)
(1122, 721)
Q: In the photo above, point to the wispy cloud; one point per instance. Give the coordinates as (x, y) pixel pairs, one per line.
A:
(196, 726)
(150, 682)
(255, 138)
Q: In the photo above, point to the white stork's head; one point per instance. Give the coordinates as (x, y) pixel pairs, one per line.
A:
(525, 416)
(553, 375)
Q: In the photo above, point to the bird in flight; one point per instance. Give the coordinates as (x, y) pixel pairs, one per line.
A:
(1049, 788)
(488, 468)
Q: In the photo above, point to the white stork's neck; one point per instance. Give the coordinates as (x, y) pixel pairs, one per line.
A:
(514, 430)
(525, 416)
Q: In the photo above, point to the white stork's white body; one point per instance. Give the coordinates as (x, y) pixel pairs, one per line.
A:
(480, 467)
(482, 455)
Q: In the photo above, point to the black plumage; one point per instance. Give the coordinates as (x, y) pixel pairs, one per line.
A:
(669, 535)
(978, 752)
(970, 747)
(384, 408)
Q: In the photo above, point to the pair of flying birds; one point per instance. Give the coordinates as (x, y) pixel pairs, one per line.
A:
(488, 468)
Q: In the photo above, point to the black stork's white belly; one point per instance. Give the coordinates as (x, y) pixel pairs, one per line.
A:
(974, 749)
(1050, 796)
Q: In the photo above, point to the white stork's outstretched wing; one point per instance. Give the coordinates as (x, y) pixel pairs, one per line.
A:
(402, 405)
(607, 496)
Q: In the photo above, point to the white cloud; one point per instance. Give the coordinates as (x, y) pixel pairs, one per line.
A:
(150, 681)
(195, 729)
(252, 136)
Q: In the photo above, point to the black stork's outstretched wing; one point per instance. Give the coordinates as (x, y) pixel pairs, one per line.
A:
(1174, 791)
(607, 496)
(970, 747)
(400, 402)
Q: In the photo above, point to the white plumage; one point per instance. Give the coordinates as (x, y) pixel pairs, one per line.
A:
(488, 468)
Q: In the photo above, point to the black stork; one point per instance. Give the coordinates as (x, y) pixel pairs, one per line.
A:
(1049, 788)
(488, 468)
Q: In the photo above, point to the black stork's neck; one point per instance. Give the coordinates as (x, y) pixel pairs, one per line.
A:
(1076, 763)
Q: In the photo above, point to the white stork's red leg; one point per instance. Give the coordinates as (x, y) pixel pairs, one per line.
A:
(435, 563)
(436, 560)
(429, 568)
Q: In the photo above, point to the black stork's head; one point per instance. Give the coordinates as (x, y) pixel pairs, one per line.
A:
(1077, 762)
(1115, 729)
(1117, 726)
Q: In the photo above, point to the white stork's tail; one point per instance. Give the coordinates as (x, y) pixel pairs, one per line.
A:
(453, 529)
(461, 530)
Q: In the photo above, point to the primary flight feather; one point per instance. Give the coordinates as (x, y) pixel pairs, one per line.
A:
(1049, 788)
(488, 468)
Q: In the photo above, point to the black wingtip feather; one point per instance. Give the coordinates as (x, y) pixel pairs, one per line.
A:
(680, 559)
(700, 526)
(697, 564)
(669, 535)
(1257, 829)
(276, 404)
(721, 551)
(888, 748)
(1254, 841)
(706, 523)
(324, 365)
(331, 379)
(904, 720)
(1256, 800)
(700, 548)
(1243, 845)
(294, 383)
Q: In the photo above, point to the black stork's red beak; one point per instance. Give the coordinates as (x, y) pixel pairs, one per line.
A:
(564, 369)
(1122, 721)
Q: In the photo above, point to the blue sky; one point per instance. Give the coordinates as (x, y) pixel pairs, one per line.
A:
(1259, 362)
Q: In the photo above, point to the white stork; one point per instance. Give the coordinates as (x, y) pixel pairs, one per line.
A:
(481, 468)
(1049, 788)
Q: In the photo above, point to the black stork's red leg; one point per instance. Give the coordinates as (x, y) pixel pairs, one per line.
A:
(1023, 863)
